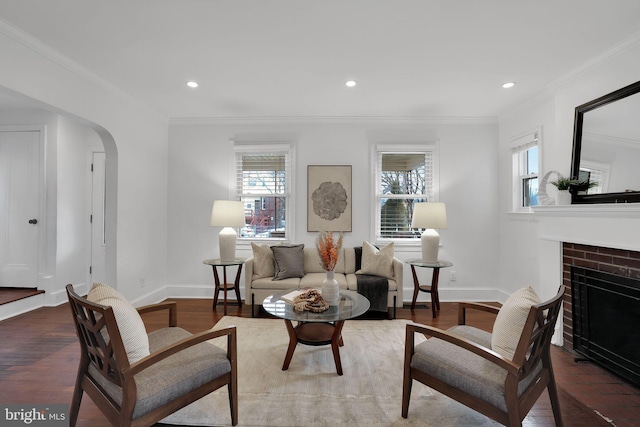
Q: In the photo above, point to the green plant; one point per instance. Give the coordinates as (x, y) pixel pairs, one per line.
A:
(563, 183)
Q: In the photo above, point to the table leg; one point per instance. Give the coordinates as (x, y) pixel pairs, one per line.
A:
(237, 285)
(435, 300)
(336, 342)
(293, 341)
(216, 280)
(224, 303)
(416, 287)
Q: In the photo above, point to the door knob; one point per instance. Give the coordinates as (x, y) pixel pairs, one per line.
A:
(33, 221)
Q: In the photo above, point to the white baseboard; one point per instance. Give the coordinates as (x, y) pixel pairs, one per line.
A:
(21, 306)
(455, 295)
(206, 291)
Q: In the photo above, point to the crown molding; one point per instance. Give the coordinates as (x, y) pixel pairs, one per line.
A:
(607, 55)
(187, 121)
(46, 51)
(554, 85)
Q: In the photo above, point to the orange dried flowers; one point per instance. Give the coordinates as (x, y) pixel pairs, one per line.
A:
(329, 249)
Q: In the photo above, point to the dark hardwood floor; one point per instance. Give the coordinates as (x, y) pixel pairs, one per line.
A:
(39, 355)
(9, 294)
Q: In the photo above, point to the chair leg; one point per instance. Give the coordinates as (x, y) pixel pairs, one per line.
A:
(77, 399)
(553, 392)
(233, 402)
(406, 395)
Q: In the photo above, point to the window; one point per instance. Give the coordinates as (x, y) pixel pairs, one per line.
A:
(263, 184)
(404, 175)
(525, 170)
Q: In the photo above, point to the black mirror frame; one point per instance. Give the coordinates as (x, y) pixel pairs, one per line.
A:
(624, 197)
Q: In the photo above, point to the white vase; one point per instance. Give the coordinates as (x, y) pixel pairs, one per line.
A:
(563, 197)
(330, 289)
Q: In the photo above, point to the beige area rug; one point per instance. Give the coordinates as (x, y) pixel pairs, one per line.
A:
(310, 393)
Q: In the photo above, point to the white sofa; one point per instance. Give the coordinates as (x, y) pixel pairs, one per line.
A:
(257, 289)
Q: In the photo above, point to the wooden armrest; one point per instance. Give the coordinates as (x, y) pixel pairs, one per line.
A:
(481, 351)
(178, 346)
(463, 306)
(167, 305)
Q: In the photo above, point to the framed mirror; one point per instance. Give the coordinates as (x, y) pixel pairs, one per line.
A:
(606, 147)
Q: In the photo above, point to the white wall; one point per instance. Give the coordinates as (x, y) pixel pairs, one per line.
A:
(201, 165)
(520, 245)
(73, 140)
(135, 141)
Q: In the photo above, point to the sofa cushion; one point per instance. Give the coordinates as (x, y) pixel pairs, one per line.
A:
(263, 261)
(289, 261)
(352, 283)
(510, 321)
(132, 330)
(377, 262)
(314, 280)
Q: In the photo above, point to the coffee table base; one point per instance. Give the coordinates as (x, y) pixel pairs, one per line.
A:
(315, 334)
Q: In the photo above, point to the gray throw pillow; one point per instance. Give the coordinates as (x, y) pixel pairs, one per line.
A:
(289, 261)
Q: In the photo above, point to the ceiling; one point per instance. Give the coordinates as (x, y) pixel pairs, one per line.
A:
(291, 58)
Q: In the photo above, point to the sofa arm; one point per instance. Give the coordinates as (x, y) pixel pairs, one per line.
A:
(248, 278)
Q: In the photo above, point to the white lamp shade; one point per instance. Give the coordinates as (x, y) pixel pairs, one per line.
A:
(429, 215)
(227, 213)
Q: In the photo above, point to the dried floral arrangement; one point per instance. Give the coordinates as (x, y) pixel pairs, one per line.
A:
(329, 249)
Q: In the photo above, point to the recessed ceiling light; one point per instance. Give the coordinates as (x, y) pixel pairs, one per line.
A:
(192, 84)
(509, 85)
(351, 83)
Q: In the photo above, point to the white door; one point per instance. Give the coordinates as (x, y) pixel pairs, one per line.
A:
(19, 208)
(98, 247)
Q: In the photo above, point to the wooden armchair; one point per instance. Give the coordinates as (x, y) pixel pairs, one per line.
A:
(461, 364)
(179, 369)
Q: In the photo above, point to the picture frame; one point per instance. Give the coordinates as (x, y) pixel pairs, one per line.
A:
(329, 198)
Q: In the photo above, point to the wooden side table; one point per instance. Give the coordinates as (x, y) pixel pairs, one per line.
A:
(214, 263)
(431, 289)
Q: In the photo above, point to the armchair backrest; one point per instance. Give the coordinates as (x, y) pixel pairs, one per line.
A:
(535, 341)
(100, 340)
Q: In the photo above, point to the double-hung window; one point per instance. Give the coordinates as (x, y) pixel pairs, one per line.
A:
(263, 184)
(405, 175)
(526, 155)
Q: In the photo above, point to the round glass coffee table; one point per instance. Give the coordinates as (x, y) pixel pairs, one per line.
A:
(316, 328)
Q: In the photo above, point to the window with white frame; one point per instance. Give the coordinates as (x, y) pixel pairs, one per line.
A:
(526, 155)
(263, 184)
(405, 175)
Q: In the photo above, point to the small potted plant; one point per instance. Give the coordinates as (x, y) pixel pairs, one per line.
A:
(566, 186)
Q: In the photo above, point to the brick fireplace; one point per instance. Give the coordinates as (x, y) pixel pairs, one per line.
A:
(605, 237)
(620, 262)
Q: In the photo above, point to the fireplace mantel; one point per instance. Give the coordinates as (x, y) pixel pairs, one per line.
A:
(608, 225)
(615, 210)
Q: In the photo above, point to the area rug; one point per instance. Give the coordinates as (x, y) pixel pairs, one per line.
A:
(310, 393)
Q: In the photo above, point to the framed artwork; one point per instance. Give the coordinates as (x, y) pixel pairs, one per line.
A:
(329, 198)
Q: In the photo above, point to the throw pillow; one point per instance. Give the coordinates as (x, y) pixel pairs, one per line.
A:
(510, 321)
(377, 262)
(132, 330)
(289, 261)
(263, 262)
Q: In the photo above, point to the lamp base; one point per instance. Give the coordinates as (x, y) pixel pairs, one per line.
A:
(227, 241)
(430, 240)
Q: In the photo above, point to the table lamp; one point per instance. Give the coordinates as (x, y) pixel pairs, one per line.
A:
(429, 215)
(227, 214)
